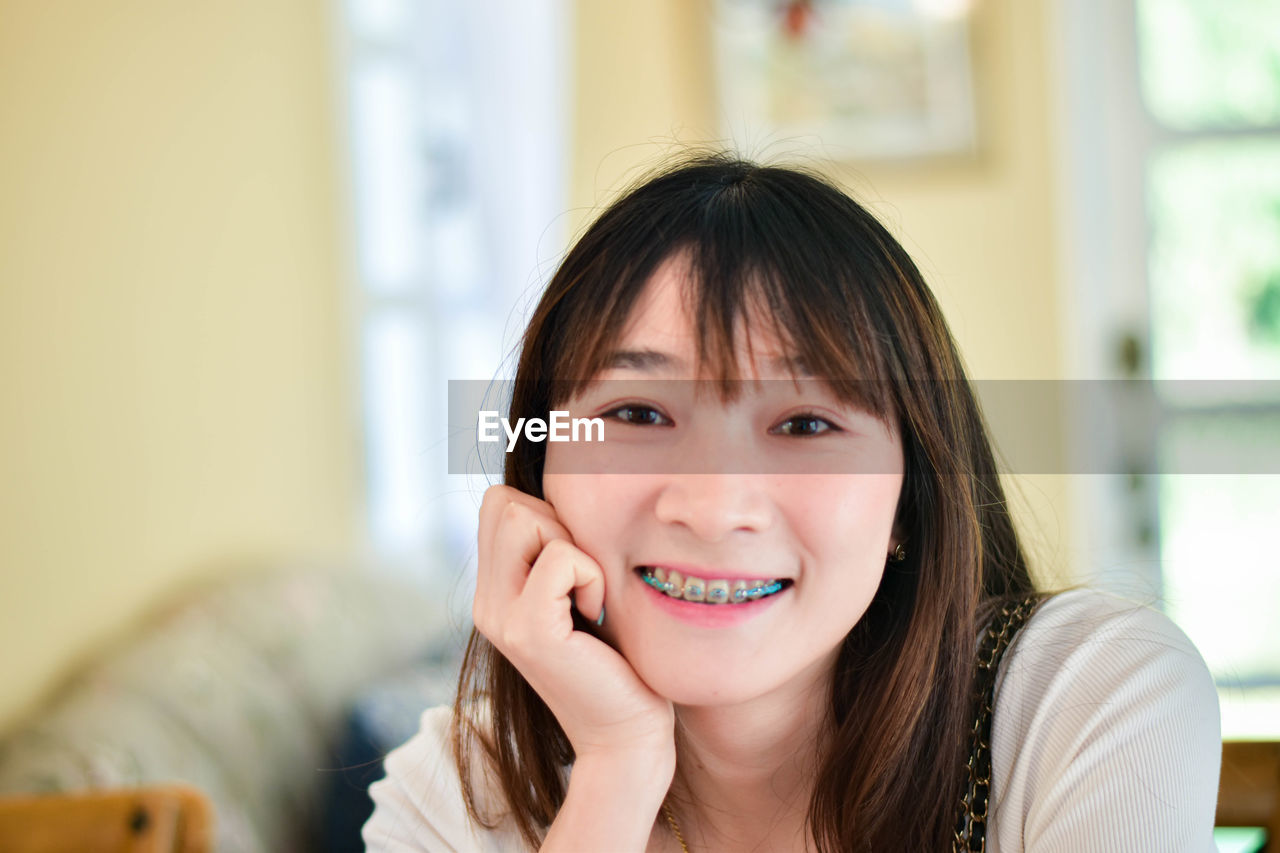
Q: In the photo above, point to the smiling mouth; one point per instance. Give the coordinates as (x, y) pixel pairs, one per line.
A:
(719, 591)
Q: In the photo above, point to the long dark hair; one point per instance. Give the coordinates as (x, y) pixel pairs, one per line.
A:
(853, 306)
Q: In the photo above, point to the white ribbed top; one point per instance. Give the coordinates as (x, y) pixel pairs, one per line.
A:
(1106, 734)
(1105, 738)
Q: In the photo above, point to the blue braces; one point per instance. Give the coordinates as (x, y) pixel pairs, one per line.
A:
(739, 595)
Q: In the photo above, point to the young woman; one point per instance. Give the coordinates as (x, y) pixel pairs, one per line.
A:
(775, 609)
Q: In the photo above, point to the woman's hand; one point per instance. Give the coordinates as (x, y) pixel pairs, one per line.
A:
(530, 576)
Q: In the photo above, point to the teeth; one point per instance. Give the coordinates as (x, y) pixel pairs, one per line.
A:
(694, 590)
(718, 592)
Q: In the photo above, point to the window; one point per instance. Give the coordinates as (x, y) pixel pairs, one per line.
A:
(1171, 156)
(455, 118)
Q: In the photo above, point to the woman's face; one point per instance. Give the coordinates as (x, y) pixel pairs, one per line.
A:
(785, 483)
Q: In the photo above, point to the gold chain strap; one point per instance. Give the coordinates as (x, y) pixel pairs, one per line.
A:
(675, 827)
(971, 828)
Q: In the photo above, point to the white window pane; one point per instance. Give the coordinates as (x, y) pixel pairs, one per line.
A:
(377, 19)
(389, 180)
(1222, 586)
(456, 253)
(397, 417)
(1210, 62)
(1215, 261)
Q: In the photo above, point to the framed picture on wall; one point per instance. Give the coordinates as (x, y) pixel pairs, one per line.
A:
(870, 79)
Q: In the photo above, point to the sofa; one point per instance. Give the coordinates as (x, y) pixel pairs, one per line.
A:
(276, 694)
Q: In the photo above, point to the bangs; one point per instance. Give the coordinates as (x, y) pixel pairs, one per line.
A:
(759, 258)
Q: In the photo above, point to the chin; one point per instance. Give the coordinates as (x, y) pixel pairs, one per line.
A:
(708, 693)
(732, 684)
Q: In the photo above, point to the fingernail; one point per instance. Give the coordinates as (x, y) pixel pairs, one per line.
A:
(600, 618)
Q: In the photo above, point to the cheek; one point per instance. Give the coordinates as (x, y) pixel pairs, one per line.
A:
(591, 506)
(571, 497)
(850, 516)
(844, 524)
(871, 496)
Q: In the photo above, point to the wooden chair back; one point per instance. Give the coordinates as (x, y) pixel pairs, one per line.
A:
(168, 819)
(1249, 787)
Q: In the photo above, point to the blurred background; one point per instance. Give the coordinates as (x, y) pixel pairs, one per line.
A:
(244, 246)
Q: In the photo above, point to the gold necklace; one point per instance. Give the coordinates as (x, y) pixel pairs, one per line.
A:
(675, 827)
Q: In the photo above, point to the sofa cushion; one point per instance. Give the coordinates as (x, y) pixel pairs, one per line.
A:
(240, 688)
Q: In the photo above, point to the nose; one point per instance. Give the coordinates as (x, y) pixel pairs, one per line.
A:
(714, 506)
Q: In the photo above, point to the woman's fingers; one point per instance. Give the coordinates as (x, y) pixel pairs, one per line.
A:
(514, 529)
(521, 536)
(496, 500)
(562, 570)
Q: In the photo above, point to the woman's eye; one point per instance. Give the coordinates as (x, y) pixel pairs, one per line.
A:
(639, 416)
(803, 425)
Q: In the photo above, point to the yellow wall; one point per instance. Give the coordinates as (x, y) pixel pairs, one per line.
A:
(170, 345)
(980, 228)
(172, 357)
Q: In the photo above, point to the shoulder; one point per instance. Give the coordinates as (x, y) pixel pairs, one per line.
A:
(1106, 732)
(419, 804)
(1084, 629)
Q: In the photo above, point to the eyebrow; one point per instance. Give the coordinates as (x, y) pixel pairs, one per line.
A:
(652, 361)
(646, 360)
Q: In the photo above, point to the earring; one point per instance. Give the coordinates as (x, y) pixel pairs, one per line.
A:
(898, 554)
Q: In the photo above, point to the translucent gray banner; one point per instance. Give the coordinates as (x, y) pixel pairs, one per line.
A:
(780, 426)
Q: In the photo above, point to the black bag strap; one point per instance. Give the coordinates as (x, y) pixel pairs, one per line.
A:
(971, 828)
